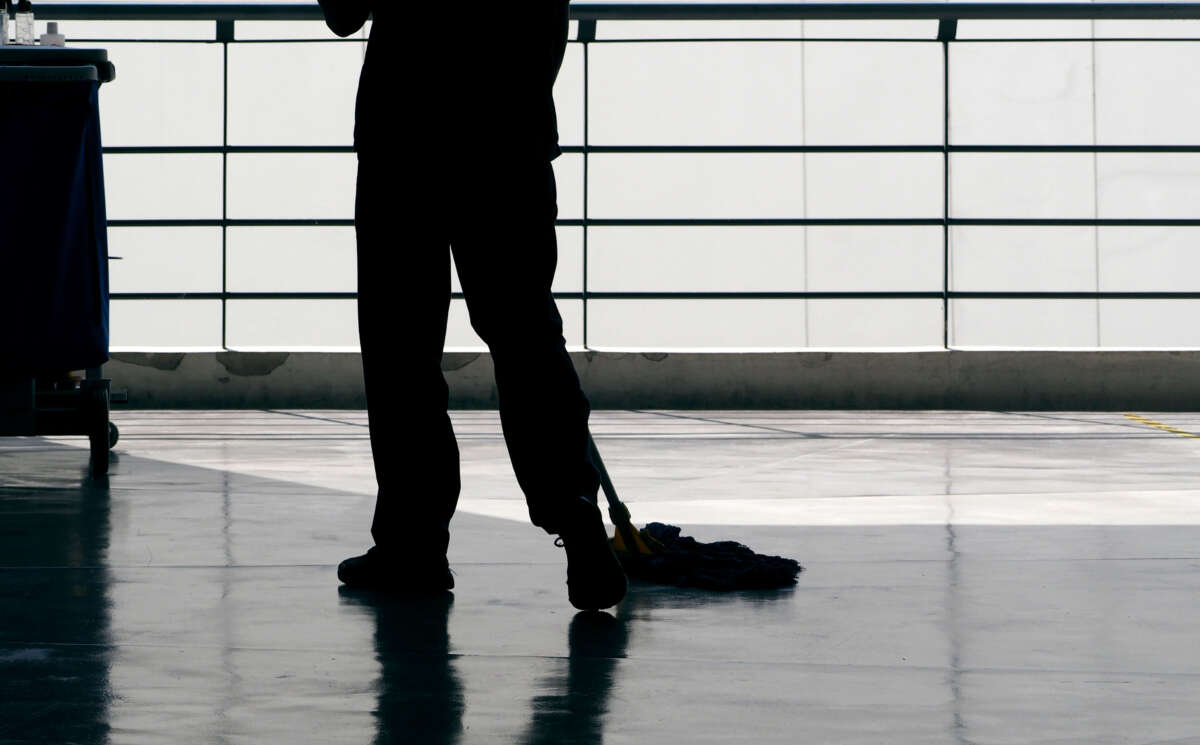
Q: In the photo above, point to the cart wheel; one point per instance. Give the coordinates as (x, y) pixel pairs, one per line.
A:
(114, 435)
(98, 429)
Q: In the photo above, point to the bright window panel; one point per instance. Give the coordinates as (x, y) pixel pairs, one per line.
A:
(870, 29)
(292, 259)
(874, 258)
(169, 187)
(692, 324)
(874, 185)
(1149, 185)
(1148, 29)
(165, 259)
(696, 259)
(1023, 259)
(1150, 323)
(1021, 94)
(291, 186)
(148, 324)
(1150, 259)
(1148, 94)
(872, 94)
(708, 93)
(73, 30)
(1052, 324)
(164, 94)
(874, 323)
(721, 185)
(1024, 29)
(291, 30)
(1022, 186)
(292, 324)
(293, 94)
(699, 29)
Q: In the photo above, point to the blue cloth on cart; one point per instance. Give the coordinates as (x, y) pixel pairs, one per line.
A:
(53, 235)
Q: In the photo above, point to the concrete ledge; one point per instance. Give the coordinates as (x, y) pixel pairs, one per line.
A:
(1079, 381)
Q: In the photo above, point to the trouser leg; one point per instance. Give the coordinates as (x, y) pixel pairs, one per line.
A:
(506, 253)
(404, 299)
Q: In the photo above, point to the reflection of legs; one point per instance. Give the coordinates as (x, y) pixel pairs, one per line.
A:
(506, 254)
(404, 299)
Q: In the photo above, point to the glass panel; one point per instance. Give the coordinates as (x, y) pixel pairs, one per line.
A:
(1150, 323)
(292, 260)
(696, 94)
(293, 94)
(1022, 185)
(169, 187)
(699, 29)
(722, 185)
(179, 324)
(105, 30)
(1054, 324)
(693, 324)
(165, 259)
(1024, 29)
(291, 30)
(870, 29)
(695, 259)
(870, 258)
(875, 323)
(310, 186)
(164, 94)
(1149, 185)
(1021, 94)
(292, 324)
(874, 185)
(1023, 259)
(1148, 29)
(1155, 259)
(1148, 94)
(871, 94)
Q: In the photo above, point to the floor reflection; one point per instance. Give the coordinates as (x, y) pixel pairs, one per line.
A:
(573, 712)
(55, 651)
(420, 695)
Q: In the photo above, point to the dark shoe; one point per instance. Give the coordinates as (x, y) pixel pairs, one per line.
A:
(594, 576)
(376, 570)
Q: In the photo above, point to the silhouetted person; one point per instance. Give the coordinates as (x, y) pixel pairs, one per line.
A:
(455, 136)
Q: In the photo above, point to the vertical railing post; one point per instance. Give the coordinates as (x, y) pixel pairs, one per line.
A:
(225, 34)
(947, 29)
(587, 34)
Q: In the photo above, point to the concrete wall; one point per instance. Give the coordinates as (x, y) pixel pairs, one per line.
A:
(1152, 381)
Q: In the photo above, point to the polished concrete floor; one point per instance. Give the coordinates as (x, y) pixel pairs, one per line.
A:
(970, 578)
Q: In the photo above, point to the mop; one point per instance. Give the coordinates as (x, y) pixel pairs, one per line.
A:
(658, 553)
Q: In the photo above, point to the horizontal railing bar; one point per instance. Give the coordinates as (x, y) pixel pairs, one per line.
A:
(696, 222)
(675, 149)
(662, 11)
(698, 39)
(846, 295)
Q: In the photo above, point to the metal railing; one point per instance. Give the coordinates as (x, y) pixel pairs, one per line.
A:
(589, 15)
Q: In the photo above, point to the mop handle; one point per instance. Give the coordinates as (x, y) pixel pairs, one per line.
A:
(617, 510)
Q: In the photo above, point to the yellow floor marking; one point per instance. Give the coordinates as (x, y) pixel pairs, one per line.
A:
(1163, 427)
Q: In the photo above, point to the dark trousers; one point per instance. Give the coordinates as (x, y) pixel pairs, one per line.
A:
(498, 219)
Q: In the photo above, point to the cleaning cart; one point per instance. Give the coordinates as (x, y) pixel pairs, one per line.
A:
(54, 247)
